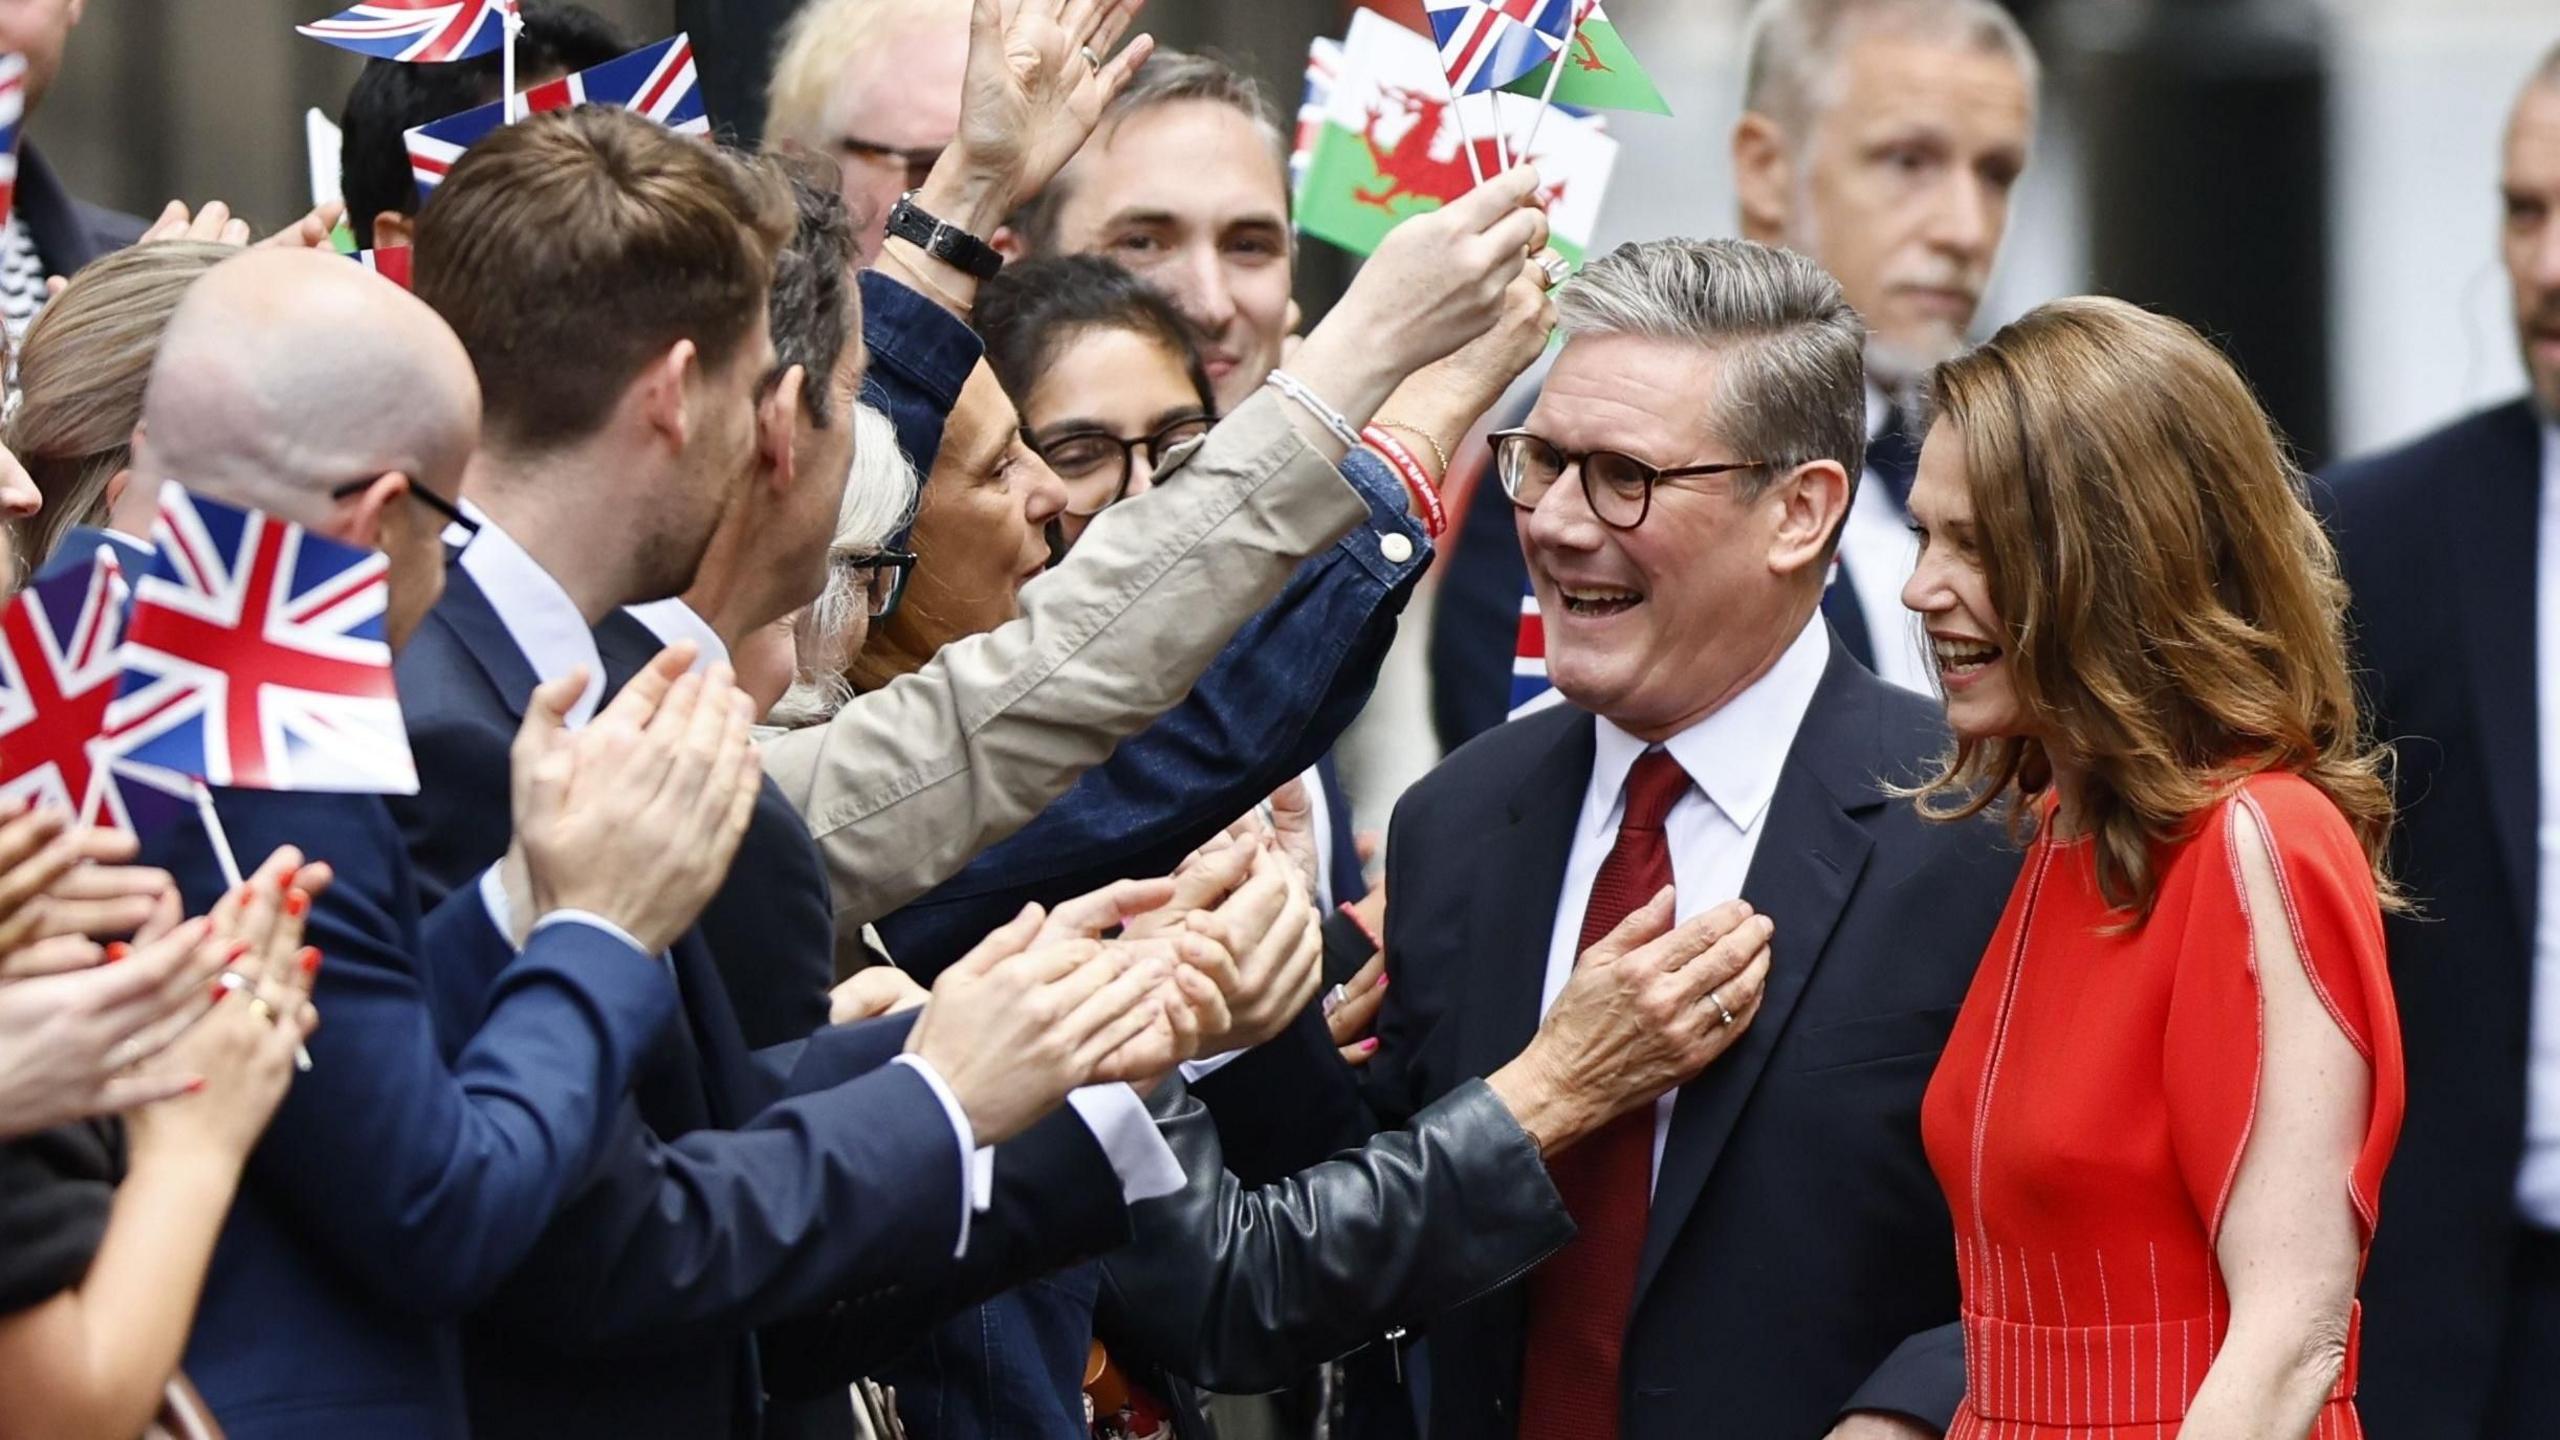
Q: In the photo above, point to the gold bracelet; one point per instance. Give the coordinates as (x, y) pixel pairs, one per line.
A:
(1399, 428)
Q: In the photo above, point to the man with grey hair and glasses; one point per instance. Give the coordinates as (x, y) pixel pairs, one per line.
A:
(1764, 1251)
(1882, 138)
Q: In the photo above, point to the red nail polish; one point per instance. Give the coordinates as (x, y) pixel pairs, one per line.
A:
(234, 951)
(195, 1086)
(310, 961)
(297, 903)
(1382, 983)
(117, 951)
(1369, 1046)
(284, 881)
(219, 990)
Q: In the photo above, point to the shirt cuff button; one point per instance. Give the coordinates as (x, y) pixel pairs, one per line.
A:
(1396, 548)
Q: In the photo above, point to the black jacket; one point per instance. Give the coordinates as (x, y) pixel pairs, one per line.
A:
(2437, 541)
(1798, 1237)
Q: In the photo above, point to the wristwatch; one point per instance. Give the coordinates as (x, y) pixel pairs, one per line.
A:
(947, 243)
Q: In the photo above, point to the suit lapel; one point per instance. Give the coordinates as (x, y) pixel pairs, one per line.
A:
(1523, 874)
(465, 610)
(2491, 529)
(1802, 872)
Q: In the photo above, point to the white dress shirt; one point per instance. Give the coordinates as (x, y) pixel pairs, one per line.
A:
(1878, 551)
(672, 620)
(2538, 1182)
(547, 626)
(1733, 758)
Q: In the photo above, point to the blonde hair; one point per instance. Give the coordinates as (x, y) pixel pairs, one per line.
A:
(820, 42)
(81, 375)
(2175, 619)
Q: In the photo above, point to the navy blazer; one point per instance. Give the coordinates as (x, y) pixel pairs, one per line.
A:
(68, 231)
(2437, 541)
(447, 1115)
(1798, 1237)
(815, 1184)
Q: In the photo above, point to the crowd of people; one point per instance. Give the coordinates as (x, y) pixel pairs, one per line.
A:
(2022, 880)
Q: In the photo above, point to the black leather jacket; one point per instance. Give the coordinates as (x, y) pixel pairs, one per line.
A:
(1243, 1290)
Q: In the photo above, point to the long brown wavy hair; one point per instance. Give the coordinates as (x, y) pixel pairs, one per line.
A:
(2174, 613)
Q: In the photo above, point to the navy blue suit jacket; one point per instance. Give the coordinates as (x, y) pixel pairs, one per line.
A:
(2437, 541)
(459, 1093)
(813, 1184)
(1778, 1276)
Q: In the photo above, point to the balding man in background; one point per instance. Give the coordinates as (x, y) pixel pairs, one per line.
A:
(459, 1109)
(873, 85)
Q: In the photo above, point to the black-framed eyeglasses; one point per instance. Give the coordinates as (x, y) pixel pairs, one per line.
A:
(1096, 463)
(916, 163)
(884, 575)
(1619, 486)
(451, 512)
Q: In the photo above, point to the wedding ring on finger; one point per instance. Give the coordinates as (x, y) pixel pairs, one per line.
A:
(1725, 1016)
(1554, 266)
(1090, 59)
(1334, 999)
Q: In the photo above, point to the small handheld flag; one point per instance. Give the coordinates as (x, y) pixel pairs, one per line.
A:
(58, 670)
(1531, 691)
(1324, 63)
(658, 81)
(417, 31)
(1487, 44)
(255, 657)
(391, 263)
(1597, 71)
(13, 109)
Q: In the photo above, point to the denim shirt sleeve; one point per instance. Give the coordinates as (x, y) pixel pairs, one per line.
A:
(1275, 699)
(921, 354)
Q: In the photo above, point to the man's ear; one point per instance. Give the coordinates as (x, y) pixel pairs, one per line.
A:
(391, 229)
(778, 428)
(1764, 185)
(662, 390)
(373, 515)
(1813, 498)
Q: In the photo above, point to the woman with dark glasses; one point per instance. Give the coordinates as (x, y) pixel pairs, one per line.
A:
(1105, 372)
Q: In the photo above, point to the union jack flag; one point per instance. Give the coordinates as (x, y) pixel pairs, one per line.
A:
(255, 657)
(1324, 66)
(58, 669)
(415, 30)
(1530, 689)
(391, 263)
(657, 80)
(1487, 44)
(13, 108)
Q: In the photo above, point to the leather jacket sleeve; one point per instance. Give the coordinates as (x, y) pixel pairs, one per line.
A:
(1242, 1290)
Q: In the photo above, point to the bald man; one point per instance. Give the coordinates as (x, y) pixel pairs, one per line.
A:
(461, 1089)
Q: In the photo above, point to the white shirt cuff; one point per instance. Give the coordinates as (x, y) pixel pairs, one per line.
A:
(1195, 1071)
(493, 898)
(977, 1163)
(586, 917)
(1129, 1139)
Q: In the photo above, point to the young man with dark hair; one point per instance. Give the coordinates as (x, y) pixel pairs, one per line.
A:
(389, 99)
(609, 281)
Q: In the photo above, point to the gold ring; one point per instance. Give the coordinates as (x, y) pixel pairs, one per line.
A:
(259, 1007)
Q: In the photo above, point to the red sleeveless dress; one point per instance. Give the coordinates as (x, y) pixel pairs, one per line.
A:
(2090, 1111)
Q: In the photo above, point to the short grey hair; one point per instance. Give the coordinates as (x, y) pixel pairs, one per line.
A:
(1791, 388)
(1793, 47)
(879, 500)
(1168, 77)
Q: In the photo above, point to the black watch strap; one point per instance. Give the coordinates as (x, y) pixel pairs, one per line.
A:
(949, 244)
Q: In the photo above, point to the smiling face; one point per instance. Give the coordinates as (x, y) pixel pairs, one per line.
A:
(1900, 188)
(2531, 183)
(1950, 591)
(1658, 626)
(1190, 196)
(1101, 387)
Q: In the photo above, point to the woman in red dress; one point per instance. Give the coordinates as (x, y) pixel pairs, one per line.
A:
(2164, 1113)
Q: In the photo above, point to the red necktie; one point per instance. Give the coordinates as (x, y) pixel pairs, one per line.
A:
(1579, 1300)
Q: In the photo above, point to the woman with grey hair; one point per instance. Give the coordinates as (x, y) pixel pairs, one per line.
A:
(864, 578)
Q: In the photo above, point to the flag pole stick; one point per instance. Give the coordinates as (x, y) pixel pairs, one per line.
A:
(1457, 117)
(230, 863)
(511, 23)
(1555, 72)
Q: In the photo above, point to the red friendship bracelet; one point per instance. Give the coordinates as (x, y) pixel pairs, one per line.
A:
(1435, 516)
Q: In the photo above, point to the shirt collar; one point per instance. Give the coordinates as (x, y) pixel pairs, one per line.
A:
(672, 620)
(539, 615)
(1735, 753)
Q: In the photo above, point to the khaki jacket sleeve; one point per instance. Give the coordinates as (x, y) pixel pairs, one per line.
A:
(904, 786)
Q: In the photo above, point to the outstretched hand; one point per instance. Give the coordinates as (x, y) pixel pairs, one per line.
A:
(1040, 73)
